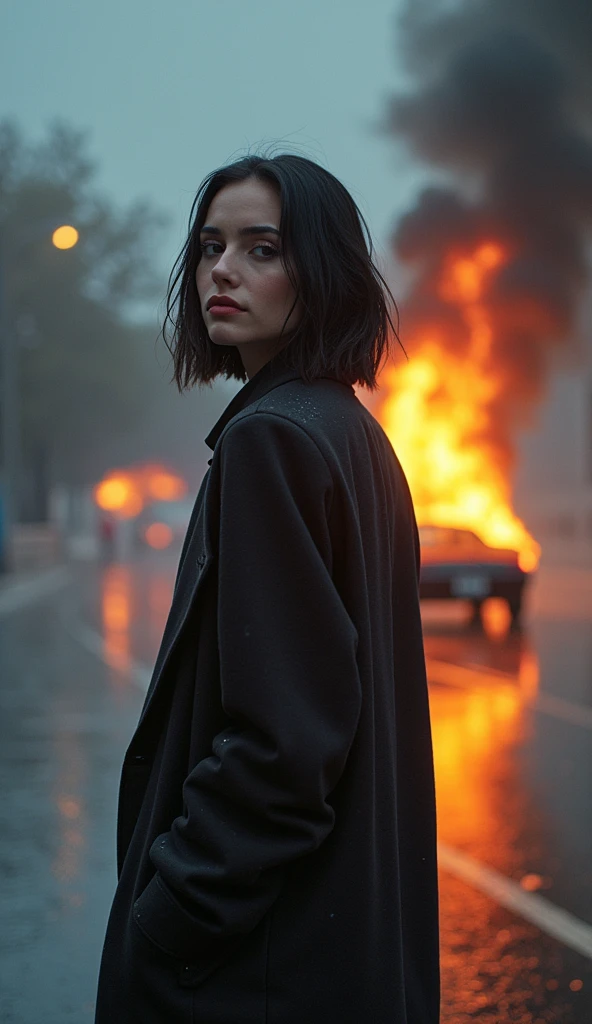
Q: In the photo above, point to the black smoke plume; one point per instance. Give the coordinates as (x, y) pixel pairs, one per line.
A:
(500, 100)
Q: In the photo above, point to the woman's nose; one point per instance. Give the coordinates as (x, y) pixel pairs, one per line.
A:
(224, 268)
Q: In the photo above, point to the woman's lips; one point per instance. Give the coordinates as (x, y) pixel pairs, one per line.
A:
(224, 310)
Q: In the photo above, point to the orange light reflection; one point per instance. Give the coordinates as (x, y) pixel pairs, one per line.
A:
(477, 723)
(70, 817)
(116, 612)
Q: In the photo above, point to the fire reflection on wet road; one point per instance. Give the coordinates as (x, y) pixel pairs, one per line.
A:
(512, 727)
(513, 785)
(498, 765)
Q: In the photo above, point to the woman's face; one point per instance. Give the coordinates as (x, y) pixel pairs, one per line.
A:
(240, 261)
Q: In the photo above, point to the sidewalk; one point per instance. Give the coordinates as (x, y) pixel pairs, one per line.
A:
(19, 589)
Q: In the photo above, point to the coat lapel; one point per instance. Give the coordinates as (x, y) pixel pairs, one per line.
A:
(196, 558)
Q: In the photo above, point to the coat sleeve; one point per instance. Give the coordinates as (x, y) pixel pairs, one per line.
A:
(290, 688)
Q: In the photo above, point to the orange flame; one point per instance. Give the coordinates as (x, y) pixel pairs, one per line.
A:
(438, 415)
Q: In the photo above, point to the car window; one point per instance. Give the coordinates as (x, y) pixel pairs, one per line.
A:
(435, 536)
(441, 536)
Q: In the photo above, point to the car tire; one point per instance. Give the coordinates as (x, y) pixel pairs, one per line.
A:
(515, 607)
(476, 621)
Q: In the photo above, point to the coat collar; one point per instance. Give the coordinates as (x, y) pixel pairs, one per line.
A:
(270, 376)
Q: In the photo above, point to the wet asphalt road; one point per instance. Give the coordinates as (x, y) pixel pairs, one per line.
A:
(512, 721)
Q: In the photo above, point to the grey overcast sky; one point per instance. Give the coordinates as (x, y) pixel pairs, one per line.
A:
(169, 90)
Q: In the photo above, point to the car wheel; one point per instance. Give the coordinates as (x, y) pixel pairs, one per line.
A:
(476, 622)
(515, 606)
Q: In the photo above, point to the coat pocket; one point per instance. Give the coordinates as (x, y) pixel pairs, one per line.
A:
(233, 986)
(192, 975)
(153, 982)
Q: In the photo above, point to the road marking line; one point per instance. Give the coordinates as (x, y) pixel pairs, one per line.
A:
(557, 923)
(463, 678)
(94, 643)
(15, 596)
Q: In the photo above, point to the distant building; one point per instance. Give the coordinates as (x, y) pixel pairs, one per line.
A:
(553, 483)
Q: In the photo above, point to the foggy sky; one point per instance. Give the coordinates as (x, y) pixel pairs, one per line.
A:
(170, 91)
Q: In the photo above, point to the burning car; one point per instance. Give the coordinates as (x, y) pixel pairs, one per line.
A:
(457, 565)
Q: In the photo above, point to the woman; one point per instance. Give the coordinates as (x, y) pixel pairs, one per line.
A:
(276, 832)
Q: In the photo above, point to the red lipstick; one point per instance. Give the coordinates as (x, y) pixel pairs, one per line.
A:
(222, 305)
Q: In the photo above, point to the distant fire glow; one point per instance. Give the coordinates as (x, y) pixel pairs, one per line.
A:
(438, 412)
(124, 493)
(119, 494)
(165, 486)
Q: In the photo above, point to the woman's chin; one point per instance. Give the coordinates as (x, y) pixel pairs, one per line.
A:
(221, 336)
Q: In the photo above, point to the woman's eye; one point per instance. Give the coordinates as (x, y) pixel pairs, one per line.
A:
(205, 246)
(264, 250)
(268, 250)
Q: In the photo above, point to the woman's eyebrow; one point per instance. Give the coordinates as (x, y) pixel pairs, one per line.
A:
(255, 229)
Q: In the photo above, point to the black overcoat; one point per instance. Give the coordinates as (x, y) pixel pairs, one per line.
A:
(276, 830)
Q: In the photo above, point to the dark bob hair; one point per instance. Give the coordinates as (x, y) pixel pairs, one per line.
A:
(345, 328)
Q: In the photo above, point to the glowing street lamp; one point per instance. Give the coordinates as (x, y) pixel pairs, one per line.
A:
(65, 237)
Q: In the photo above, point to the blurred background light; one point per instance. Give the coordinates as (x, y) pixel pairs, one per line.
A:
(65, 237)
